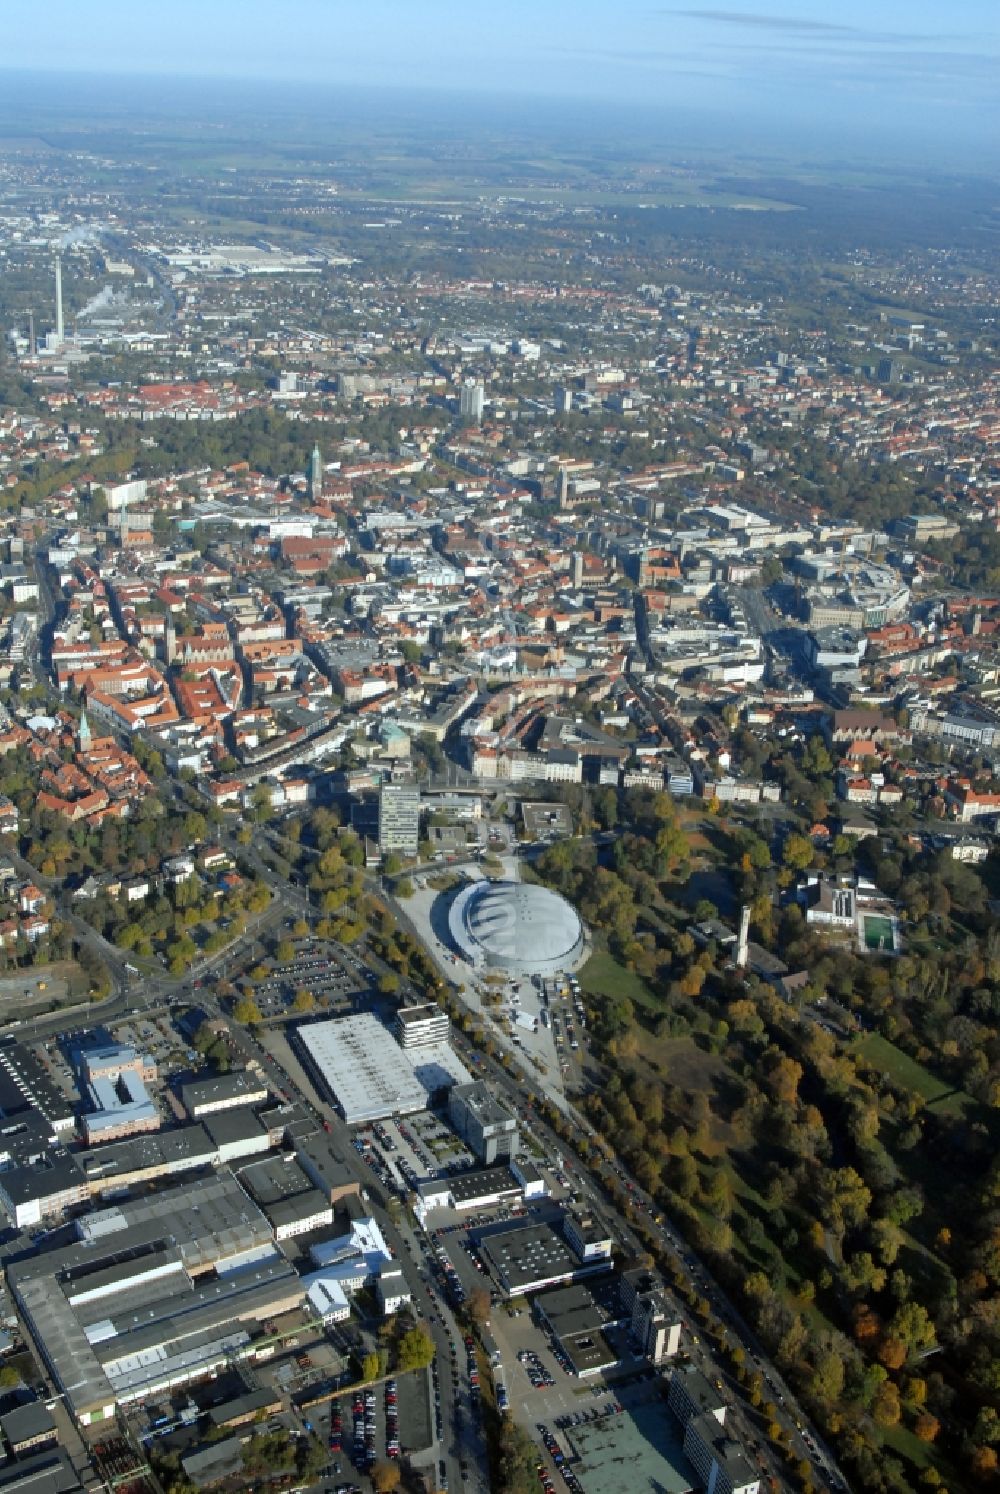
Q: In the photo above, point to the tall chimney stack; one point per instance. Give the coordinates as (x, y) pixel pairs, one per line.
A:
(59, 308)
(742, 948)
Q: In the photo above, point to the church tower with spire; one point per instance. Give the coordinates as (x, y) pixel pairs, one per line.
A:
(83, 736)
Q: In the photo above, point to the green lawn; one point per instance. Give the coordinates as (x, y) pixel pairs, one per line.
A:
(603, 976)
(902, 1441)
(912, 1075)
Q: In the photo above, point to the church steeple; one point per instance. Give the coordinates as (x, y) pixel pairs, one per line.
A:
(83, 735)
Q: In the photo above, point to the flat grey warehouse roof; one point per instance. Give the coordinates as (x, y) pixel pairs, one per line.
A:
(364, 1068)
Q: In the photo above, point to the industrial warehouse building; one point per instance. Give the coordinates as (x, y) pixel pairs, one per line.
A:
(579, 1317)
(154, 1293)
(369, 1075)
(116, 1079)
(223, 1091)
(346, 1265)
(530, 1257)
(286, 1196)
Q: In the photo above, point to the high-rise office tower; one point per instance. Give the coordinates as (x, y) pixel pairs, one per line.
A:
(399, 819)
(471, 401)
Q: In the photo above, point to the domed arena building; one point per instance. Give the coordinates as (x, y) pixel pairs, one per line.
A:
(517, 926)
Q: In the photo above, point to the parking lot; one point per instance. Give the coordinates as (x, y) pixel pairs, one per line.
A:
(30, 992)
(429, 1145)
(316, 969)
(383, 1423)
(402, 1153)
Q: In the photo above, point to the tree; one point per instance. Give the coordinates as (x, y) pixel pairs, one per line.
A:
(195, 827)
(784, 1078)
(844, 1197)
(926, 1426)
(517, 1459)
(684, 1177)
(385, 1477)
(798, 852)
(304, 1001)
(828, 1374)
(369, 1367)
(987, 1426)
(892, 1353)
(912, 1326)
(771, 570)
(983, 1463)
(886, 1409)
(888, 1239)
(247, 1011)
(262, 803)
(416, 1349)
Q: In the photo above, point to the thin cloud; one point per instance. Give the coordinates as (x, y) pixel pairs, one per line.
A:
(766, 22)
(804, 26)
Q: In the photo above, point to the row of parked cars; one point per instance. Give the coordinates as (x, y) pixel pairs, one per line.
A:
(535, 1370)
(558, 1457)
(453, 1286)
(363, 1411)
(560, 1357)
(472, 1363)
(577, 1418)
(391, 1420)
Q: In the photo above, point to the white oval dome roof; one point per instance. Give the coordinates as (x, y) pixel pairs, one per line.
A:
(522, 923)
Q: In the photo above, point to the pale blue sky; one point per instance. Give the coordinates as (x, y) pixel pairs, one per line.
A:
(898, 66)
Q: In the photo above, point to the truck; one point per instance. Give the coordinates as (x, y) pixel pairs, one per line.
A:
(526, 1020)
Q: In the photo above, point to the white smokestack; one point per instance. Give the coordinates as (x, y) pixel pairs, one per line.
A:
(742, 948)
(59, 308)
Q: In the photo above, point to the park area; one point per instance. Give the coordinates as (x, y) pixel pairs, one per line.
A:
(604, 976)
(905, 1071)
